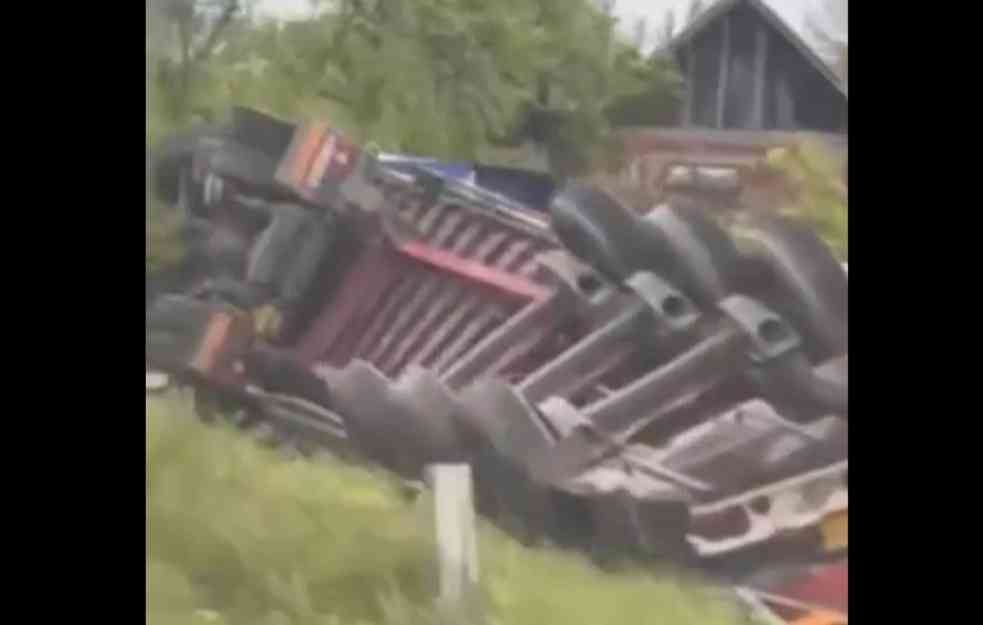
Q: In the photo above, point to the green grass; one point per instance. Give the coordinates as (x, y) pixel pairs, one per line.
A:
(238, 534)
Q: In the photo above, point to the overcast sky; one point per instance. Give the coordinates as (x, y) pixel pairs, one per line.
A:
(627, 11)
(630, 11)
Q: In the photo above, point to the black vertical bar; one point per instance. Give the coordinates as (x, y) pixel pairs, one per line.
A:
(724, 71)
(760, 78)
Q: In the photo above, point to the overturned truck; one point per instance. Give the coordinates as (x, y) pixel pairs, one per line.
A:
(649, 386)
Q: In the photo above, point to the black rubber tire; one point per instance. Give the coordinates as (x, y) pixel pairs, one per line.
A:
(175, 325)
(221, 154)
(595, 228)
(430, 409)
(501, 438)
(805, 283)
(178, 313)
(175, 154)
(231, 291)
(377, 424)
(311, 251)
(244, 164)
(686, 247)
(260, 131)
(277, 371)
(271, 254)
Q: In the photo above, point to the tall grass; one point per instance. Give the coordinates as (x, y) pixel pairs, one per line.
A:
(244, 535)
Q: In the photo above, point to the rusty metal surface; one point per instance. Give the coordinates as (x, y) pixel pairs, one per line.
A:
(711, 141)
(652, 153)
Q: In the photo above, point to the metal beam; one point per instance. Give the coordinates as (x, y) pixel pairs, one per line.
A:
(474, 271)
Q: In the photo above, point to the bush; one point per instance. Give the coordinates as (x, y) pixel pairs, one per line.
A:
(244, 535)
(820, 191)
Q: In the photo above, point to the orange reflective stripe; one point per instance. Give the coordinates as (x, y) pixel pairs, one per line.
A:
(308, 141)
(215, 335)
(324, 157)
(821, 618)
(834, 530)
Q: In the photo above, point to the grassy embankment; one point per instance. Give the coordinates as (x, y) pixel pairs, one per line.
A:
(242, 535)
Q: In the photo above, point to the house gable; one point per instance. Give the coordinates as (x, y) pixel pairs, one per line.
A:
(746, 70)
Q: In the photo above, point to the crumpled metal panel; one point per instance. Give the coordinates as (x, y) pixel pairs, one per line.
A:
(449, 275)
(753, 445)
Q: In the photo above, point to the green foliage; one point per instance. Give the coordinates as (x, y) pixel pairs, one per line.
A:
(453, 79)
(163, 244)
(437, 77)
(243, 535)
(816, 177)
(657, 100)
(163, 247)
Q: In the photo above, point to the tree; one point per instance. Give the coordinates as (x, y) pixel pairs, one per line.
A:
(657, 102)
(446, 78)
(641, 33)
(182, 36)
(667, 29)
(610, 81)
(468, 74)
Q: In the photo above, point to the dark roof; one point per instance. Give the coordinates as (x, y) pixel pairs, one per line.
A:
(721, 7)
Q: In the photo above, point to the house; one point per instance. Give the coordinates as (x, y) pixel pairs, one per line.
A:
(745, 69)
(751, 84)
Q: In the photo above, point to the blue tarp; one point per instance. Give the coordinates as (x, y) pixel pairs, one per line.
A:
(528, 188)
(411, 164)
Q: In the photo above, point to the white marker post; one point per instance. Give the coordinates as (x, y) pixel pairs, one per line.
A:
(457, 548)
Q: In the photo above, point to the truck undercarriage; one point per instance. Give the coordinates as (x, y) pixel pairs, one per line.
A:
(650, 386)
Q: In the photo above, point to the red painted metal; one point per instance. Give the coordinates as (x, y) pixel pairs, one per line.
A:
(215, 335)
(474, 271)
(488, 317)
(827, 586)
(456, 312)
(365, 284)
(468, 272)
(380, 319)
(408, 308)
